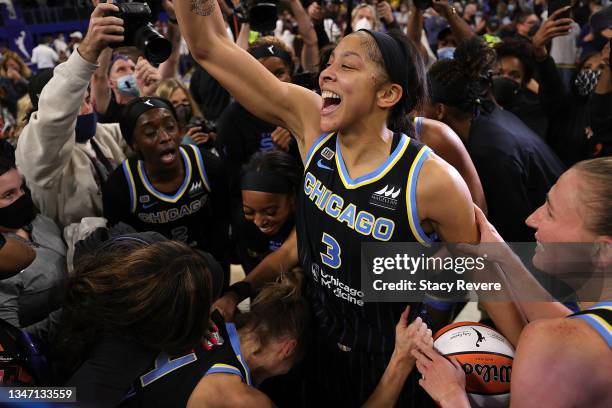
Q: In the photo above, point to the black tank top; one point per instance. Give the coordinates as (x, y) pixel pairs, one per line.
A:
(181, 216)
(335, 215)
(171, 381)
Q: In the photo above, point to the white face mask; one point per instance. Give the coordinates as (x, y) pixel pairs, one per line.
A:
(362, 23)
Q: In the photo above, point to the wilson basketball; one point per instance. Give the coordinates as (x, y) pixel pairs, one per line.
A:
(486, 357)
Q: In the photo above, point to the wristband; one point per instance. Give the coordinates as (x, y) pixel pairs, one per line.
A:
(242, 290)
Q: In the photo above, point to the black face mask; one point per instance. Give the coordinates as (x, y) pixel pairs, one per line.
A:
(506, 91)
(19, 214)
(183, 114)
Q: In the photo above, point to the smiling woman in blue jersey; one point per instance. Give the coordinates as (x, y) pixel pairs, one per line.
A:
(178, 191)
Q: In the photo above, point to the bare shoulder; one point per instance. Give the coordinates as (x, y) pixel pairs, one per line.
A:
(444, 203)
(226, 390)
(561, 354)
(437, 176)
(436, 134)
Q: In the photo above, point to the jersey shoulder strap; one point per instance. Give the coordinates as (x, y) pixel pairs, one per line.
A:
(598, 317)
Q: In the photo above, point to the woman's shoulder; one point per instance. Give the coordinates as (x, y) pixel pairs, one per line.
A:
(547, 339)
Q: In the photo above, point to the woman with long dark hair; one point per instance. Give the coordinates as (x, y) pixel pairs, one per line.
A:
(360, 184)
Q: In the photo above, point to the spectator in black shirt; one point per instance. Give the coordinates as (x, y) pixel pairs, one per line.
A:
(580, 121)
(513, 87)
(515, 166)
(240, 134)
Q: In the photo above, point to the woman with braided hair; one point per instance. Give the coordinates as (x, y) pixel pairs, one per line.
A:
(515, 166)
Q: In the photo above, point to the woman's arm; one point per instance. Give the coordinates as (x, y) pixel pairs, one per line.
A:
(415, 30)
(226, 391)
(243, 37)
(448, 146)
(100, 86)
(310, 50)
(443, 380)
(453, 218)
(401, 363)
(510, 317)
(249, 82)
(270, 268)
(169, 68)
(15, 256)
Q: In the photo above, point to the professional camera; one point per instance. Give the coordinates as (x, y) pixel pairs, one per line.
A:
(260, 14)
(139, 32)
(203, 124)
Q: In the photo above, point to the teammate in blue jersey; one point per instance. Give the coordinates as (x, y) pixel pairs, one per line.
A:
(365, 180)
(562, 359)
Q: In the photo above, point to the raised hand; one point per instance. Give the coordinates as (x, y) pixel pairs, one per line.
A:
(281, 138)
(102, 31)
(147, 77)
(551, 28)
(384, 11)
(408, 335)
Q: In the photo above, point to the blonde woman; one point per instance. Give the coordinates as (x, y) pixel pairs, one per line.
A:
(195, 128)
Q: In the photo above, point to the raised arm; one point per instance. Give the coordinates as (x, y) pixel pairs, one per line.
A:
(458, 26)
(415, 30)
(249, 82)
(169, 68)
(46, 143)
(100, 86)
(310, 50)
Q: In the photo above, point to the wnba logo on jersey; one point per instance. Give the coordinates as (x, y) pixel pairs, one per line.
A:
(386, 197)
(315, 269)
(327, 153)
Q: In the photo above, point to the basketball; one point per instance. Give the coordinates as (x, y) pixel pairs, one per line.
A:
(486, 357)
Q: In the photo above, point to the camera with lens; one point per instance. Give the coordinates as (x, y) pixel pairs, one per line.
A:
(204, 125)
(260, 14)
(140, 32)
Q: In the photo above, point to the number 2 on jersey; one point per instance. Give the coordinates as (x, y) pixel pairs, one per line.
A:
(331, 257)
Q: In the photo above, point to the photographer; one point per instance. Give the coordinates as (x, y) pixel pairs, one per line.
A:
(63, 152)
(119, 79)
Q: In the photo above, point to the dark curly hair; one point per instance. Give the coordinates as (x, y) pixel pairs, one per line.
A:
(520, 49)
(464, 81)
